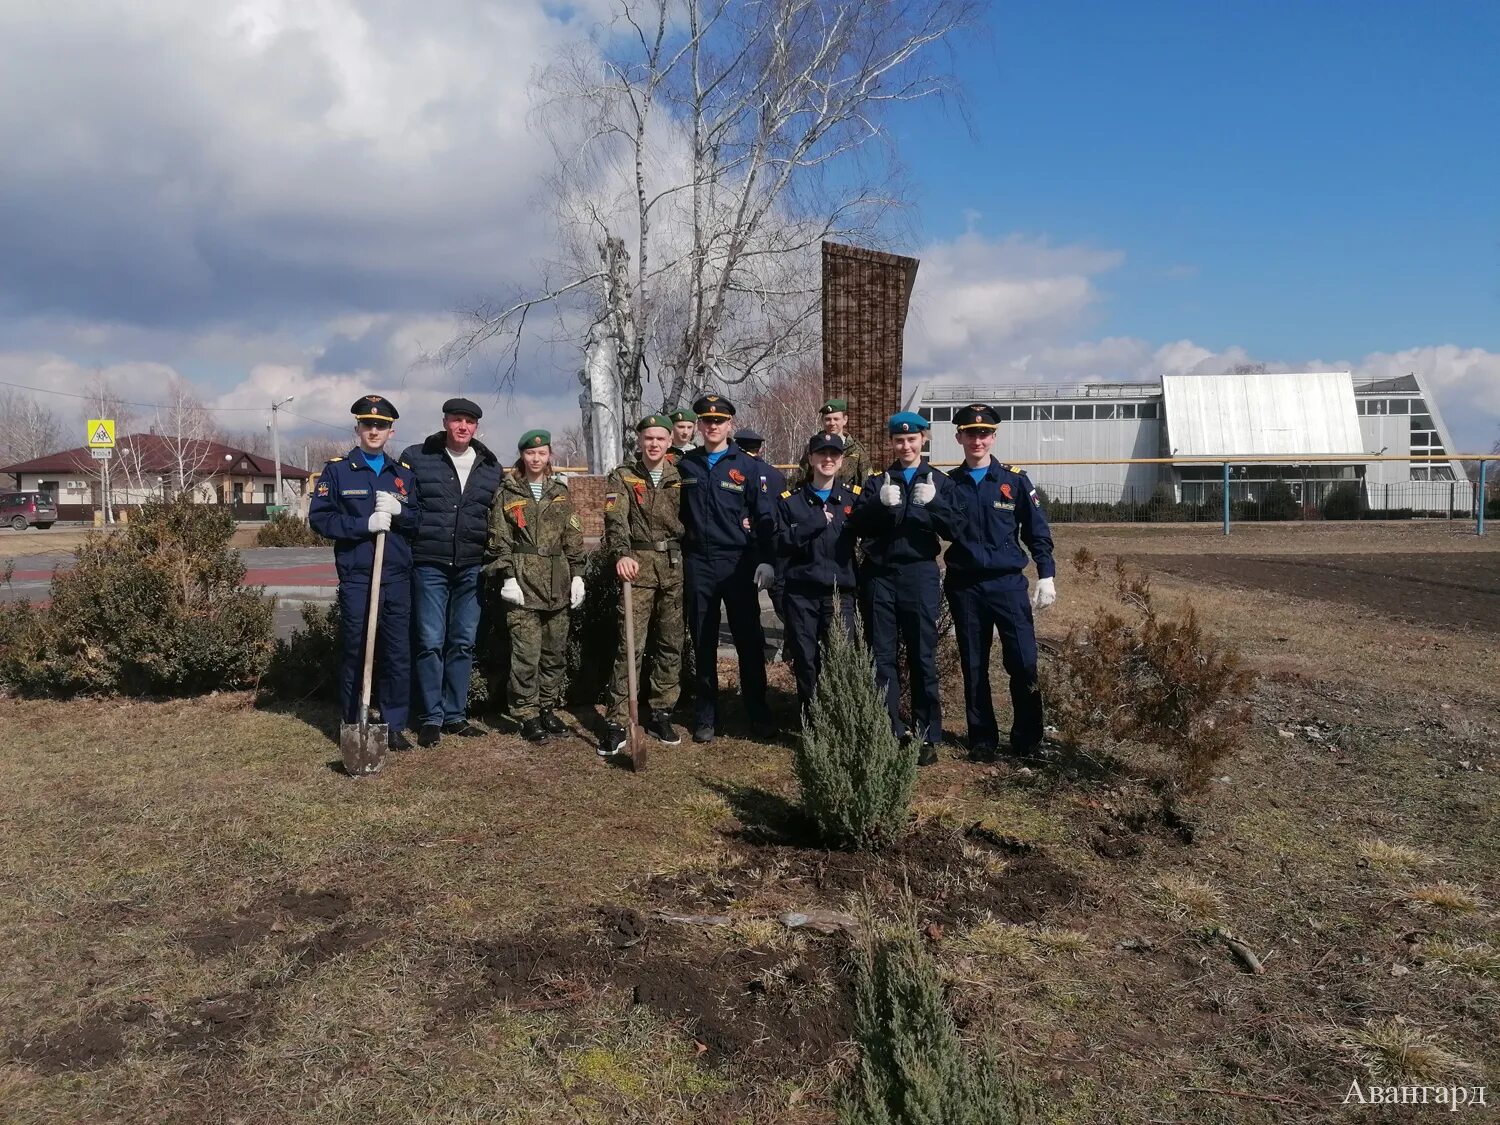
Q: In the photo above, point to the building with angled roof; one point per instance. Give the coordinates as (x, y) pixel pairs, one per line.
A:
(147, 466)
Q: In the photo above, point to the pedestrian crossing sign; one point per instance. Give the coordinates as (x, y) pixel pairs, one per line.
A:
(101, 433)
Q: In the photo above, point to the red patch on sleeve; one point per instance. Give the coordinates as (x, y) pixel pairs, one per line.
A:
(1005, 491)
(736, 476)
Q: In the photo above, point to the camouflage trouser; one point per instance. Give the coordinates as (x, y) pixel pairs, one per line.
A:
(538, 659)
(658, 636)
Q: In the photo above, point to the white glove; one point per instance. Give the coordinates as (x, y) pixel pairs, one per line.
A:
(1044, 594)
(765, 576)
(510, 591)
(379, 521)
(922, 492)
(890, 495)
(386, 502)
(575, 593)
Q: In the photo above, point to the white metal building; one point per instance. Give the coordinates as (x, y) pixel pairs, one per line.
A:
(1181, 416)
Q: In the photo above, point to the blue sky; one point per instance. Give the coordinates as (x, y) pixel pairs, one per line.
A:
(274, 197)
(1303, 179)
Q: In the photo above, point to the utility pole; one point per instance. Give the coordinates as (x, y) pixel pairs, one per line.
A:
(276, 441)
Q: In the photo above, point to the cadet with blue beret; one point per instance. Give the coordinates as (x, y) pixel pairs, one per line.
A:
(815, 544)
(986, 583)
(359, 495)
(900, 516)
(725, 559)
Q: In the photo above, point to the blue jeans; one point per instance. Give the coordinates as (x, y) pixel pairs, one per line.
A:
(446, 601)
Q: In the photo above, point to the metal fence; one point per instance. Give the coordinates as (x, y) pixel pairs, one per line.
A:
(1265, 500)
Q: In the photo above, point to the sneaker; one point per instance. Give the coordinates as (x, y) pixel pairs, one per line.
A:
(430, 735)
(533, 731)
(552, 724)
(659, 726)
(613, 742)
(466, 728)
(399, 741)
(928, 755)
(704, 733)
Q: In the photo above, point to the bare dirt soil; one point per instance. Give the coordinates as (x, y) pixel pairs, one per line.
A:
(1452, 590)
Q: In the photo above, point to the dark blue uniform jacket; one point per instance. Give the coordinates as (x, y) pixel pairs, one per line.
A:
(341, 509)
(909, 532)
(770, 483)
(717, 502)
(817, 552)
(999, 514)
(455, 526)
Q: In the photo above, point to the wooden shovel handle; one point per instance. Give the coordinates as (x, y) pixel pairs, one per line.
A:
(630, 683)
(373, 615)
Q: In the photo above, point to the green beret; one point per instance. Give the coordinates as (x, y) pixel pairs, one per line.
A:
(534, 439)
(681, 414)
(839, 404)
(651, 421)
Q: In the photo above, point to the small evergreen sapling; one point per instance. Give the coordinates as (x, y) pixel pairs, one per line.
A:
(913, 1068)
(856, 776)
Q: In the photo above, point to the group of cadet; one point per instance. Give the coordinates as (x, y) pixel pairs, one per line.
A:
(698, 530)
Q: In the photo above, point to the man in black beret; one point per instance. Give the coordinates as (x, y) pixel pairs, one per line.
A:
(456, 479)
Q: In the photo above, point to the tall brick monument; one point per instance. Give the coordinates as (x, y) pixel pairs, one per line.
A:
(866, 294)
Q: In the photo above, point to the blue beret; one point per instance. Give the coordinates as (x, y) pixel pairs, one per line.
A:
(908, 422)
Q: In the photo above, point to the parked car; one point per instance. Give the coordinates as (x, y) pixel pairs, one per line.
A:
(27, 509)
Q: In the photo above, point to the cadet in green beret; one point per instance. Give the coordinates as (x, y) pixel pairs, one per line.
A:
(856, 468)
(684, 427)
(643, 529)
(536, 539)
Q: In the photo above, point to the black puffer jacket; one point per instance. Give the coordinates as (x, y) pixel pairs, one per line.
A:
(454, 528)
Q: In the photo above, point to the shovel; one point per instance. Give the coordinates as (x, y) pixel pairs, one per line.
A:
(635, 737)
(363, 744)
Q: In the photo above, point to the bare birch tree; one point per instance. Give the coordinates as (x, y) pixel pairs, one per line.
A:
(784, 409)
(705, 149)
(28, 429)
(187, 430)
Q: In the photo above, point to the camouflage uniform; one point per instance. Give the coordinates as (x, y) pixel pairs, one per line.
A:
(644, 522)
(540, 544)
(854, 471)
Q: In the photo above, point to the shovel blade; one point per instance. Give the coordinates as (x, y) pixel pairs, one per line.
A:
(636, 742)
(363, 747)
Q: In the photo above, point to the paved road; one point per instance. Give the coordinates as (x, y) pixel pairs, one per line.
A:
(293, 575)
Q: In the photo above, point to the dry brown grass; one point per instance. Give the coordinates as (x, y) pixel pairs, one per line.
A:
(127, 826)
(1395, 1051)
(1478, 958)
(1393, 858)
(1189, 900)
(1445, 896)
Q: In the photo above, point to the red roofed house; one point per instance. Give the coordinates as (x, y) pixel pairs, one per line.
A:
(146, 466)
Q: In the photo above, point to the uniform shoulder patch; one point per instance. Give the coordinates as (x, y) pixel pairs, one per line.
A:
(404, 465)
(1014, 469)
(331, 460)
(856, 489)
(787, 495)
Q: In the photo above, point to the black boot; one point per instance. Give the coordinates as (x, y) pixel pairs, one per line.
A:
(928, 755)
(533, 731)
(399, 741)
(430, 735)
(552, 724)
